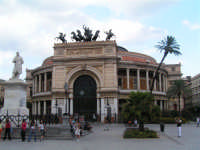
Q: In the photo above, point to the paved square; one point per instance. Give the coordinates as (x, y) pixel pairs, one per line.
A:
(112, 139)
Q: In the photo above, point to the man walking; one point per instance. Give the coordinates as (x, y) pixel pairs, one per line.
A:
(179, 123)
(198, 121)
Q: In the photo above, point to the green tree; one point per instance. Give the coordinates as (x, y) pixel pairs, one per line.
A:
(178, 89)
(140, 106)
(168, 46)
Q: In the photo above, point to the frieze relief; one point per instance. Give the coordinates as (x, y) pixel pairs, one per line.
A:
(83, 52)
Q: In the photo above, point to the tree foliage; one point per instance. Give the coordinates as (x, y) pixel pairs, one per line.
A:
(168, 46)
(140, 106)
(179, 90)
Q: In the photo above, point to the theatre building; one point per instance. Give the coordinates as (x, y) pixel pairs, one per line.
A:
(94, 77)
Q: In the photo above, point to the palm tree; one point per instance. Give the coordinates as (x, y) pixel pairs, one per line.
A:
(178, 89)
(169, 46)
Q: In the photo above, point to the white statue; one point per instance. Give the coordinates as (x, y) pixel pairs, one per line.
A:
(18, 61)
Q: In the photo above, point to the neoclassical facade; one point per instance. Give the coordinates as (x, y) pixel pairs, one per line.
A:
(94, 78)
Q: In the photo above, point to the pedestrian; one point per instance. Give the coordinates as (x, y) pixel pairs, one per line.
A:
(7, 130)
(42, 129)
(0, 128)
(77, 130)
(179, 123)
(23, 130)
(32, 131)
(135, 122)
(198, 121)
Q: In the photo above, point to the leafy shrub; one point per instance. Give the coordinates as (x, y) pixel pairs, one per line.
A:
(167, 120)
(136, 133)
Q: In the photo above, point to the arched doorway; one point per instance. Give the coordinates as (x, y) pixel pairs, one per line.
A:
(85, 96)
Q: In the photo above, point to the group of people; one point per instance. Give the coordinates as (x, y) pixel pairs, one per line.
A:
(75, 127)
(78, 127)
(32, 127)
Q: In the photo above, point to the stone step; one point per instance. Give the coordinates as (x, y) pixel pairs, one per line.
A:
(52, 133)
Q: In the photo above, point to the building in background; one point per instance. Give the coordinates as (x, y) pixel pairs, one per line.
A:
(195, 86)
(95, 77)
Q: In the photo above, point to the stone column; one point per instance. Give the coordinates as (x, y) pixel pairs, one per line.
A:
(53, 106)
(116, 108)
(33, 87)
(45, 82)
(163, 83)
(127, 74)
(98, 106)
(138, 79)
(155, 82)
(35, 105)
(45, 107)
(38, 107)
(147, 79)
(40, 82)
(33, 108)
(71, 106)
(160, 84)
(36, 84)
(102, 110)
(161, 105)
(66, 105)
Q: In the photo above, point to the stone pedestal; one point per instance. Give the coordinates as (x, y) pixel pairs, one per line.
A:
(15, 98)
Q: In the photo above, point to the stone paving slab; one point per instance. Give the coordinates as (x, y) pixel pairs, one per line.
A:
(112, 140)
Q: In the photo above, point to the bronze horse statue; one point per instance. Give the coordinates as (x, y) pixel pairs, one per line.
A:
(79, 35)
(62, 37)
(109, 35)
(96, 35)
(75, 37)
(88, 33)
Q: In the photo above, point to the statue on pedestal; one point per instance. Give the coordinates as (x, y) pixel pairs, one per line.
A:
(18, 61)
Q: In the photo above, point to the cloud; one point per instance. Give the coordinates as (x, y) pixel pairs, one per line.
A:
(31, 26)
(191, 26)
(6, 64)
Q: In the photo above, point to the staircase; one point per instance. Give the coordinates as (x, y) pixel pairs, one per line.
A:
(52, 133)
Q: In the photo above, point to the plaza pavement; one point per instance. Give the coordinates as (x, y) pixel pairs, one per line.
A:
(112, 140)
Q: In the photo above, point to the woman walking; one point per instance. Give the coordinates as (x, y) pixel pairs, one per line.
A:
(42, 130)
(32, 131)
(23, 130)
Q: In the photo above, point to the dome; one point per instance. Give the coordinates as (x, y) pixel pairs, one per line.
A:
(48, 61)
(120, 48)
(135, 57)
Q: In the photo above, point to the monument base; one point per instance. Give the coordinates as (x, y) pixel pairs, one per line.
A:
(15, 98)
(22, 111)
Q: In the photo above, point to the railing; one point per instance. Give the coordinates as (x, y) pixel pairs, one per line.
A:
(14, 119)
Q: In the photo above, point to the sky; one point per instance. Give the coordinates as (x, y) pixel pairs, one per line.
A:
(30, 27)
